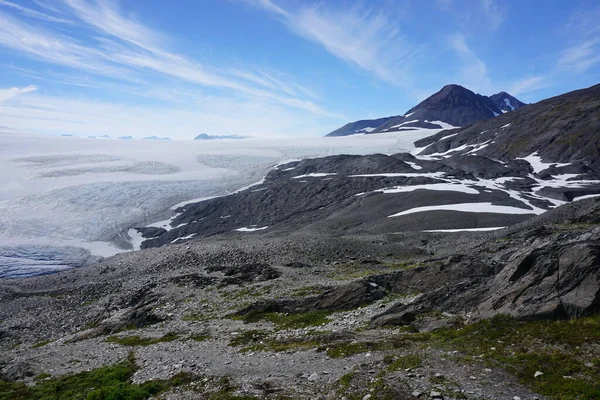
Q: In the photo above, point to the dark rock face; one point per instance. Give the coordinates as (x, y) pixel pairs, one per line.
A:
(361, 126)
(505, 102)
(545, 268)
(345, 297)
(548, 282)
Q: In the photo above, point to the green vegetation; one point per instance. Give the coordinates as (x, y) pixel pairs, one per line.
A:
(358, 270)
(114, 383)
(565, 351)
(257, 340)
(41, 343)
(307, 291)
(396, 363)
(353, 386)
(200, 338)
(139, 341)
(289, 321)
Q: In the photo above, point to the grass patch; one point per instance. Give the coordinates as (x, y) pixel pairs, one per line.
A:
(139, 341)
(565, 351)
(41, 343)
(307, 291)
(396, 363)
(113, 382)
(257, 340)
(289, 321)
(200, 338)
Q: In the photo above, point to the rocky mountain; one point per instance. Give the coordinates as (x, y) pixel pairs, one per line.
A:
(561, 130)
(452, 106)
(505, 102)
(362, 126)
(206, 136)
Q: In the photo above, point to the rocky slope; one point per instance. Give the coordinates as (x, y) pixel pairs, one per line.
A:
(309, 316)
(360, 277)
(362, 126)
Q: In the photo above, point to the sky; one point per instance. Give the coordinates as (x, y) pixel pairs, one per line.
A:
(276, 68)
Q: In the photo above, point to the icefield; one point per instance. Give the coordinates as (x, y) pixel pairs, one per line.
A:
(67, 201)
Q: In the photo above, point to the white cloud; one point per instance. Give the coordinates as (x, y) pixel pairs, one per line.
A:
(124, 54)
(28, 12)
(528, 85)
(473, 72)
(359, 36)
(10, 93)
(580, 57)
(492, 13)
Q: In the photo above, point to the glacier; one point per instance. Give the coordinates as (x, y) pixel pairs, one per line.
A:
(67, 202)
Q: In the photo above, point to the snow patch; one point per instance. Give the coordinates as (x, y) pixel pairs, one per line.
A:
(495, 228)
(467, 207)
(250, 229)
(536, 162)
(314, 175)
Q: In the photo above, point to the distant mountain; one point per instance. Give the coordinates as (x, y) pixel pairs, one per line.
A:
(453, 106)
(206, 136)
(505, 102)
(125, 137)
(67, 135)
(104, 137)
(153, 137)
(362, 126)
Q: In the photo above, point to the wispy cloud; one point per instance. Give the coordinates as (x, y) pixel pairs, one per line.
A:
(357, 35)
(528, 85)
(580, 57)
(122, 48)
(10, 93)
(583, 34)
(31, 13)
(473, 72)
(492, 12)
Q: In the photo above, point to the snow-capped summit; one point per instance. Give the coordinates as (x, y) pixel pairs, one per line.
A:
(505, 102)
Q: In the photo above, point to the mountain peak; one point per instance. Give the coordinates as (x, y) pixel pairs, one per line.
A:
(505, 102)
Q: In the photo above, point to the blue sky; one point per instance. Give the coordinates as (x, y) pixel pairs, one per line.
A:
(275, 67)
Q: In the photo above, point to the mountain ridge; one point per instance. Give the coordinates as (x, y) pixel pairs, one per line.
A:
(452, 105)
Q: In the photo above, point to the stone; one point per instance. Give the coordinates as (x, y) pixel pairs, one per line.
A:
(313, 377)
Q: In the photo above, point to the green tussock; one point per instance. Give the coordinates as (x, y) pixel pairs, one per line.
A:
(565, 351)
(396, 363)
(289, 321)
(139, 341)
(41, 344)
(113, 382)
